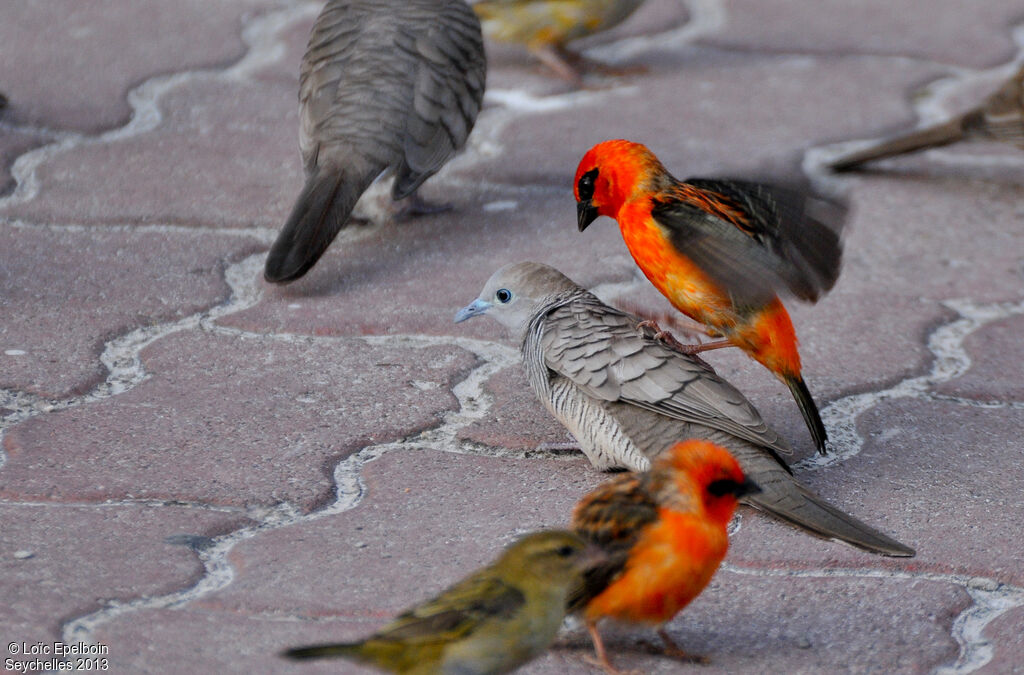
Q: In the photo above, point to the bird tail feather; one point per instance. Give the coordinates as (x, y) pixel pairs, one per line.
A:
(786, 499)
(809, 410)
(321, 210)
(930, 137)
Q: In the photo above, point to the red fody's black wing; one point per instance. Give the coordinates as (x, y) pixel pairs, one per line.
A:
(755, 240)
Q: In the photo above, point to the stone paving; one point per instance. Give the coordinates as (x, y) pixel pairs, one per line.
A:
(198, 469)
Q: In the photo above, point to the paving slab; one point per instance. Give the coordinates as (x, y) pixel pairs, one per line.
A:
(13, 143)
(65, 292)
(949, 31)
(244, 419)
(42, 548)
(74, 62)
(222, 148)
(1006, 630)
(946, 464)
(426, 519)
(456, 252)
(232, 421)
(327, 574)
(992, 349)
(810, 625)
(702, 112)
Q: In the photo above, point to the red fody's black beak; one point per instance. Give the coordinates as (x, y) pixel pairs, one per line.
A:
(586, 213)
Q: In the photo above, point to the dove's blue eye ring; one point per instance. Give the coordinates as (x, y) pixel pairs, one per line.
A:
(503, 295)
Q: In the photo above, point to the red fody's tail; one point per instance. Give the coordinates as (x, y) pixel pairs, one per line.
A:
(772, 341)
(810, 412)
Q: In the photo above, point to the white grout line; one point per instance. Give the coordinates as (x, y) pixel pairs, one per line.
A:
(991, 599)
(121, 356)
(950, 362)
(264, 235)
(263, 47)
(148, 503)
(473, 404)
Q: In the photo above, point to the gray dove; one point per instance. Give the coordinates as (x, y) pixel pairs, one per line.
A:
(1000, 117)
(627, 396)
(385, 85)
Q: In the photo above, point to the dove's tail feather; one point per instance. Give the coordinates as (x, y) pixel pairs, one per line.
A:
(321, 210)
(783, 497)
(929, 137)
(809, 410)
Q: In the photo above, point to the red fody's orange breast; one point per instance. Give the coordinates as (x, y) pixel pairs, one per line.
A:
(677, 278)
(671, 564)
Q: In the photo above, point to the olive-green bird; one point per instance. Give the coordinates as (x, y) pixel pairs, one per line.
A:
(493, 621)
(546, 26)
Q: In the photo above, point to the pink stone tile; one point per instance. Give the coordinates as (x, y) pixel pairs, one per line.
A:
(426, 519)
(411, 277)
(944, 476)
(199, 641)
(63, 294)
(233, 421)
(62, 561)
(994, 351)
(739, 115)
(224, 155)
(73, 62)
(812, 625)
(933, 475)
(946, 30)
(1005, 633)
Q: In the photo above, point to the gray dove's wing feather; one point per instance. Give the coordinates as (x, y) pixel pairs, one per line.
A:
(356, 84)
(450, 76)
(601, 350)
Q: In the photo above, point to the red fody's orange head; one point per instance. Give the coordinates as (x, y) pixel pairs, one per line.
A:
(608, 175)
(712, 472)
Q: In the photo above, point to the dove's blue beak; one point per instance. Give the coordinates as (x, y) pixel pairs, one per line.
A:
(475, 308)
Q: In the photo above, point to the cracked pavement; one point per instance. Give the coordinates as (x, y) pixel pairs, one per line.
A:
(198, 469)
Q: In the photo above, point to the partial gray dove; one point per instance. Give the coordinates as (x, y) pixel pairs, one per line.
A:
(385, 85)
(1000, 117)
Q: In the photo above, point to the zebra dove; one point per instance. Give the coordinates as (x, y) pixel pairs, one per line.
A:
(627, 396)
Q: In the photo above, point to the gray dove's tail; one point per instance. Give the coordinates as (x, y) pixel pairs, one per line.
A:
(809, 410)
(930, 137)
(783, 497)
(320, 212)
